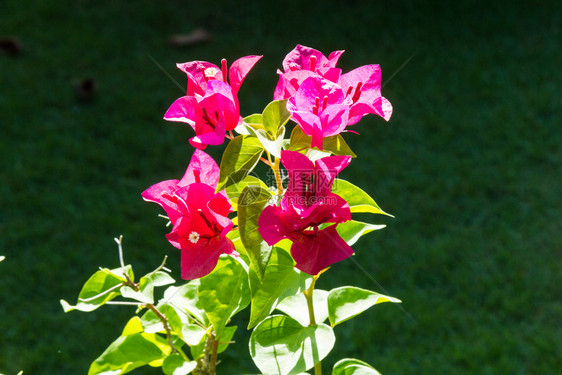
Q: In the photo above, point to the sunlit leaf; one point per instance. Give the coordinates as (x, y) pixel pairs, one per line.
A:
(350, 366)
(250, 205)
(175, 364)
(296, 307)
(101, 287)
(352, 230)
(281, 345)
(224, 292)
(281, 279)
(358, 200)
(348, 301)
(239, 158)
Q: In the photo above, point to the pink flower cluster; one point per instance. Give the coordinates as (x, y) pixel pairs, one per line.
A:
(323, 102)
(211, 106)
(198, 215)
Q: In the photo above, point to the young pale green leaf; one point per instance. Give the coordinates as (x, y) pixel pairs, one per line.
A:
(348, 301)
(198, 350)
(184, 298)
(281, 279)
(250, 205)
(234, 191)
(2, 257)
(296, 307)
(224, 292)
(101, 287)
(351, 366)
(352, 230)
(334, 144)
(275, 115)
(358, 200)
(175, 364)
(240, 157)
(281, 345)
(272, 143)
(193, 334)
(130, 351)
(145, 294)
(253, 120)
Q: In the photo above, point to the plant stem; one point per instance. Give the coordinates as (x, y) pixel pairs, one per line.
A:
(310, 303)
(214, 350)
(278, 177)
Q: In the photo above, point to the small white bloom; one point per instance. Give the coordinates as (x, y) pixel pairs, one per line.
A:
(194, 237)
(211, 72)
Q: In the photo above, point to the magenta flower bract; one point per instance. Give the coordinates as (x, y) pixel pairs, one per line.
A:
(320, 108)
(200, 72)
(303, 62)
(198, 215)
(363, 88)
(210, 115)
(308, 204)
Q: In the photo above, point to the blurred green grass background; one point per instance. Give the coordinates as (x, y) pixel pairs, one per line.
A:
(470, 164)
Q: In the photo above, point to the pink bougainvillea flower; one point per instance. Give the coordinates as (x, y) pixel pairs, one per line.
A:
(210, 115)
(362, 86)
(301, 63)
(308, 204)
(198, 215)
(320, 108)
(199, 73)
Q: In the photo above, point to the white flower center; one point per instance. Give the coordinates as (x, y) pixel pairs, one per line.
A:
(193, 237)
(211, 72)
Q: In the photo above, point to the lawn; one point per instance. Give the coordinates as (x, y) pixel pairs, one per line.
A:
(470, 164)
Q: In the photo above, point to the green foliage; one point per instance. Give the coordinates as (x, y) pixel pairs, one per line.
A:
(295, 307)
(352, 230)
(281, 345)
(348, 301)
(350, 366)
(240, 158)
(358, 200)
(334, 145)
(251, 203)
(224, 292)
(131, 350)
(281, 279)
(100, 288)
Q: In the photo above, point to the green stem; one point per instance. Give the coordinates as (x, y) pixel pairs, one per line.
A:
(275, 168)
(309, 302)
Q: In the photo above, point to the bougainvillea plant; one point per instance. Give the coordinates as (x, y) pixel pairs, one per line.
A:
(249, 242)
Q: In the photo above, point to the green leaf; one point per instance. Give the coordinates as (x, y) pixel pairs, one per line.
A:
(234, 191)
(240, 157)
(145, 294)
(334, 144)
(348, 301)
(275, 115)
(184, 298)
(175, 364)
(280, 345)
(350, 366)
(358, 200)
(101, 287)
(251, 203)
(130, 351)
(352, 230)
(198, 350)
(273, 144)
(281, 279)
(224, 292)
(193, 334)
(296, 307)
